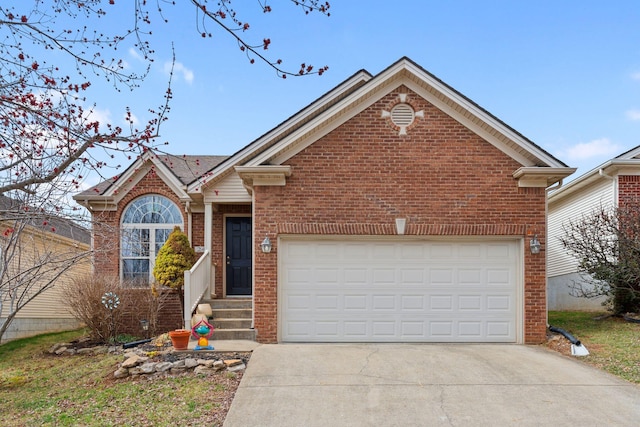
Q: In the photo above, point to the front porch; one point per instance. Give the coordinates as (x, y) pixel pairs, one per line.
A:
(232, 317)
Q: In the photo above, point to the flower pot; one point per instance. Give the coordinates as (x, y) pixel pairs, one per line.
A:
(180, 338)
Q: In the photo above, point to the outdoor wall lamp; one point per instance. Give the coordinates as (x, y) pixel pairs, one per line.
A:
(534, 245)
(266, 245)
(144, 324)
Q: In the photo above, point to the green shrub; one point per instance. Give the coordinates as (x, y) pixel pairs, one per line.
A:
(174, 258)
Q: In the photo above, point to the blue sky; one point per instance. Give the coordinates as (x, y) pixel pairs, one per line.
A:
(566, 74)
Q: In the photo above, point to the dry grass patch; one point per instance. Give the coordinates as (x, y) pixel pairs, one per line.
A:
(613, 343)
(40, 389)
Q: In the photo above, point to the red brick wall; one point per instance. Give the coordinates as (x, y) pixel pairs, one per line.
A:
(197, 229)
(169, 315)
(628, 190)
(106, 227)
(356, 180)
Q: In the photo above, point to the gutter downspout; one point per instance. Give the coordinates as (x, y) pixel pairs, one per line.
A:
(546, 252)
(577, 349)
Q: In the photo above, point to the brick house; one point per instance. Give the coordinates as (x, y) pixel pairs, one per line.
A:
(612, 184)
(396, 209)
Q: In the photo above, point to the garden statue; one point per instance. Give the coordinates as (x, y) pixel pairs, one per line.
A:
(202, 331)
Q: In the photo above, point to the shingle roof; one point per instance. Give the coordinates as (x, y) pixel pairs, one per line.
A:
(187, 168)
(47, 222)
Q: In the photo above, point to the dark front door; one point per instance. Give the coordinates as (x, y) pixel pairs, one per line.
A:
(238, 255)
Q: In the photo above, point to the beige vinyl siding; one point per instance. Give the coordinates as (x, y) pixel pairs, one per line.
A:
(229, 190)
(50, 305)
(572, 208)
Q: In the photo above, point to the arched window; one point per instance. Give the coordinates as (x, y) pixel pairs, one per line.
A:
(146, 225)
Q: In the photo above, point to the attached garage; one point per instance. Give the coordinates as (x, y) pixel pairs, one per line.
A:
(399, 290)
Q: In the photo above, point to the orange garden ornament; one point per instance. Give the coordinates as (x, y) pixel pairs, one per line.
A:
(202, 331)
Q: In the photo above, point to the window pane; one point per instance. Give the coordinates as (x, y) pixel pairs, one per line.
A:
(152, 210)
(136, 271)
(162, 234)
(135, 242)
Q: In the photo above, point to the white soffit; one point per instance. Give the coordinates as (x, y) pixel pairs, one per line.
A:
(543, 177)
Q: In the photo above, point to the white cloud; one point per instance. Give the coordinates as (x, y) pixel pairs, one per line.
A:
(633, 115)
(179, 69)
(133, 119)
(101, 116)
(602, 148)
(135, 54)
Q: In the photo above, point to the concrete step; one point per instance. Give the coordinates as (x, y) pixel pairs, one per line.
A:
(231, 318)
(231, 313)
(228, 303)
(234, 334)
(231, 323)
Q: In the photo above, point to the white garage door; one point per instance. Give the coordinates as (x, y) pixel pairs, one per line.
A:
(392, 291)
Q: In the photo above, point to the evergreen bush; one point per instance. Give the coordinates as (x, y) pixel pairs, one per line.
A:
(174, 258)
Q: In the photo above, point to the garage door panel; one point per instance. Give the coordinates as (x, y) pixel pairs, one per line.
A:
(470, 329)
(441, 276)
(395, 291)
(412, 302)
(499, 303)
(441, 302)
(470, 302)
(355, 276)
(383, 276)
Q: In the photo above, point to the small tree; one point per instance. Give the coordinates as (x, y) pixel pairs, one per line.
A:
(174, 258)
(606, 244)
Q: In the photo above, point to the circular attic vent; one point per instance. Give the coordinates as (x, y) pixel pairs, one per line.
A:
(402, 115)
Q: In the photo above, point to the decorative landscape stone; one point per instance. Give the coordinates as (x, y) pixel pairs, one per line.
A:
(159, 360)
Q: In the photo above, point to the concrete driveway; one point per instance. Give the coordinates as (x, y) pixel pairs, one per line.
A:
(306, 385)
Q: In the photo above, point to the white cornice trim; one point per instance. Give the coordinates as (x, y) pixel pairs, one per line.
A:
(607, 170)
(134, 175)
(130, 178)
(541, 176)
(253, 176)
(630, 155)
(487, 118)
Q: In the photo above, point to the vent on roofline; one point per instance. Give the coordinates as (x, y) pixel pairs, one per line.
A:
(402, 115)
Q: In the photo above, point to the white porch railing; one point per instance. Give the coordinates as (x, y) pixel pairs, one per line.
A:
(196, 283)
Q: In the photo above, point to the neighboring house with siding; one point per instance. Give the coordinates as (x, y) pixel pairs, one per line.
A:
(608, 186)
(47, 312)
(397, 210)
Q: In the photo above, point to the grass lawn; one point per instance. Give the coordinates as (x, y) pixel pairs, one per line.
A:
(41, 389)
(613, 343)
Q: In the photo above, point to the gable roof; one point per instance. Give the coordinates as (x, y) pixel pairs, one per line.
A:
(186, 169)
(287, 127)
(627, 162)
(57, 225)
(190, 175)
(346, 100)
